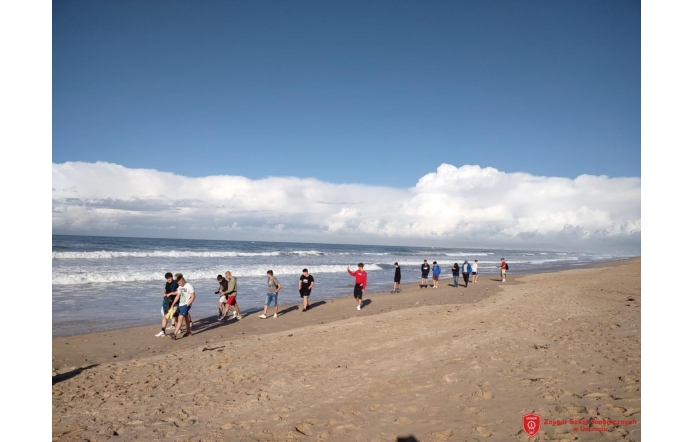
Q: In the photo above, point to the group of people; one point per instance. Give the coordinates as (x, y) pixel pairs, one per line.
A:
(176, 304)
(179, 295)
(468, 270)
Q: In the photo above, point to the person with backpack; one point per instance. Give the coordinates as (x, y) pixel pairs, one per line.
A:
(455, 270)
(436, 271)
(503, 269)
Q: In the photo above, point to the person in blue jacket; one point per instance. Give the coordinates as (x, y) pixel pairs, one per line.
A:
(466, 270)
(436, 271)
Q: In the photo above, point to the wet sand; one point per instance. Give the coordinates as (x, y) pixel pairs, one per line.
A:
(464, 364)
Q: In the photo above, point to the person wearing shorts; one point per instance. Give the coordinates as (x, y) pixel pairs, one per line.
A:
(185, 297)
(274, 287)
(397, 279)
(474, 271)
(436, 271)
(425, 270)
(306, 283)
(167, 301)
(231, 294)
(503, 270)
(360, 283)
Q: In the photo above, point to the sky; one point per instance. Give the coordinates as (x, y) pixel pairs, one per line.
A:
(368, 96)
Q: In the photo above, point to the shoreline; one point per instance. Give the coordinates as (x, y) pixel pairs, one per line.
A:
(121, 344)
(284, 300)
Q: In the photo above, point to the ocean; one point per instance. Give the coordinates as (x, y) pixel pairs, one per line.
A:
(104, 283)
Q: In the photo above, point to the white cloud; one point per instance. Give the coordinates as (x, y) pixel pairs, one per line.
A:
(468, 205)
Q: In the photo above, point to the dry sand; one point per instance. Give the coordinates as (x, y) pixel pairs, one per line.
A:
(564, 345)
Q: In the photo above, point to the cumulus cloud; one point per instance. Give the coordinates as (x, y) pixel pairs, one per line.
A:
(466, 205)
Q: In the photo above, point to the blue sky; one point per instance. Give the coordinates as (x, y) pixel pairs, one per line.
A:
(379, 93)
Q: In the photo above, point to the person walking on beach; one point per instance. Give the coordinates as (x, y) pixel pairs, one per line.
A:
(455, 272)
(503, 269)
(274, 287)
(466, 269)
(231, 294)
(167, 302)
(360, 283)
(185, 297)
(474, 271)
(436, 271)
(222, 302)
(306, 283)
(425, 270)
(397, 279)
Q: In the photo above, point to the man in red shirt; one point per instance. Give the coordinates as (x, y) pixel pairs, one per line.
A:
(503, 270)
(360, 283)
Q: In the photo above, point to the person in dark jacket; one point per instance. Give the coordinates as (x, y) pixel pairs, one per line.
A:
(455, 271)
(168, 297)
(425, 270)
(397, 279)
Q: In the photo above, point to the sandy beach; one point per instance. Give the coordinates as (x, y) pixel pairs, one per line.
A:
(458, 364)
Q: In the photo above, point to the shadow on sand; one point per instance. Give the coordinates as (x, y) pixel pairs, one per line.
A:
(71, 374)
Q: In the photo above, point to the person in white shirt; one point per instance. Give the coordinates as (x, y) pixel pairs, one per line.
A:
(185, 297)
(474, 271)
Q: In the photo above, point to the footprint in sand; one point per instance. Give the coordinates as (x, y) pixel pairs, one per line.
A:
(483, 393)
(442, 435)
(483, 431)
(571, 409)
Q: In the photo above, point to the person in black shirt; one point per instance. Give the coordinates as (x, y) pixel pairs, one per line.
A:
(425, 270)
(455, 270)
(168, 297)
(306, 283)
(397, 279)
